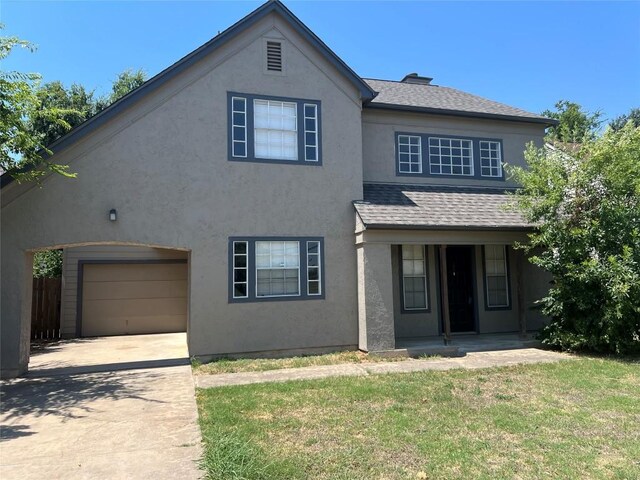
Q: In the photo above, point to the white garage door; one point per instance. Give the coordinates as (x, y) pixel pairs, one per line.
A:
(131, 299)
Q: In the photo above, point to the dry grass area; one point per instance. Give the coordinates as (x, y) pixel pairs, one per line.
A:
(228, 365)
(576, 419)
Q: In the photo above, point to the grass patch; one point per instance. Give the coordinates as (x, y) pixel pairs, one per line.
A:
(575, 419)
(228, 365)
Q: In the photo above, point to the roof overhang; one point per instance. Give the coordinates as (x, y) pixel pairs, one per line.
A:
(460, 113)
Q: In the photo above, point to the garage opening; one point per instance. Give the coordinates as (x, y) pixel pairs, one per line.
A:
(121, 306)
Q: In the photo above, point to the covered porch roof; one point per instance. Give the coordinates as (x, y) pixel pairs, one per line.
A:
(437, 207)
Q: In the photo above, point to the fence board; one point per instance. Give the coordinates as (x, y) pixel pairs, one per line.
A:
(45, 308)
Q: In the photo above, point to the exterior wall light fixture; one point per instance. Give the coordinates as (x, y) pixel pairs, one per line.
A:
(113, 215)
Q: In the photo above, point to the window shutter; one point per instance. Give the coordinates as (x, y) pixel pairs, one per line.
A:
(274, 56)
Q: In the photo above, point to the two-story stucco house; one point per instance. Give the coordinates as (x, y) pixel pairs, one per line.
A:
(261, 196)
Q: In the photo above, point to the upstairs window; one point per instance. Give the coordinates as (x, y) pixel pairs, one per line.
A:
(273, 129)
(490, 159)
(450, 156)
(409, 154)
(433, 155)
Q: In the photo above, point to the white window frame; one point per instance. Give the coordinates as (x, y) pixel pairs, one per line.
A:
(506, 277)
(314, 131)
(318, 267)
(489, 149)
(411, 155)
(462, 157)
(245, 268)
(277, 268)
(270, 130)
(244, 127)
(423, 276)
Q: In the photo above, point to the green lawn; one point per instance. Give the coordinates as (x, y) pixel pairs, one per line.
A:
(227, 365)
(572, 419)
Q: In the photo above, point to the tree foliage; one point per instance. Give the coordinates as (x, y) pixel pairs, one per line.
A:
(23, 151)
(587, 208)
(125, 82)
(633, 116)
(47, 264)
(576, 125)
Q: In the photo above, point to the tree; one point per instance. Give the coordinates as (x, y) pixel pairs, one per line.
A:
(47, 264)
(587, 208)
(77, 103)
(123, 84)
(576, 125)
(23, 151)
(633, 116)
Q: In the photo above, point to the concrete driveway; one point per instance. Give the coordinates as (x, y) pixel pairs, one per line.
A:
(113, 407)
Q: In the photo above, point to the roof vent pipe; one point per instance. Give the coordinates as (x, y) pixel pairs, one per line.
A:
(415, 78)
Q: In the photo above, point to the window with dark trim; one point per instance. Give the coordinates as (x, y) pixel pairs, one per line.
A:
(275, 268)
(426, 155)
(414, 277)
(496, 275)
(274, 129)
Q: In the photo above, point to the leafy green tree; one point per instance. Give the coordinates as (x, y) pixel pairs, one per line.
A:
(23, 151)
(77, 103)
(576, 125)
(47, 264)
(587, 208)
(123, 84)
(633, 116)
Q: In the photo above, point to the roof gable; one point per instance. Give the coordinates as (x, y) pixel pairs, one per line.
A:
(151, 85)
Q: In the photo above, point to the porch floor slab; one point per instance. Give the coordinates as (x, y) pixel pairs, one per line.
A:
(462, 343)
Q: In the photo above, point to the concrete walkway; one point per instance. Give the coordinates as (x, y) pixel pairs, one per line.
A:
(471, 360)
(113, 408)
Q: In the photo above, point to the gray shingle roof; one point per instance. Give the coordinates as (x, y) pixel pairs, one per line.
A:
(444, 100)
(437, 207)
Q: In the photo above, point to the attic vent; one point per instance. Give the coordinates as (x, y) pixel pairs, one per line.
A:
(274, 56)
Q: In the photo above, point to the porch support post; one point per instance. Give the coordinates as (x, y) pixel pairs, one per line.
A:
(522, 318)
(444, 289)
(15, 311)
(375, 298)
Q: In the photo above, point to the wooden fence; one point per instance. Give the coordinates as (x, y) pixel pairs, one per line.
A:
(45, 308)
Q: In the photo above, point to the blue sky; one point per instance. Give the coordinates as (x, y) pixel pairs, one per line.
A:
(526, 54)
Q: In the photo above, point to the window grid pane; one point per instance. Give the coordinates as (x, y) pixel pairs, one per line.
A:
(277, 268)
(314, 273)
(450, 156)
(490, 159)
(409, 154)
(239, 126)
(240, 280)
(310, 132)
(414, 277)
(496, 275)
(275, 129)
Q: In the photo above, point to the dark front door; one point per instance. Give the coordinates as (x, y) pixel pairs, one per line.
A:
(460, 286)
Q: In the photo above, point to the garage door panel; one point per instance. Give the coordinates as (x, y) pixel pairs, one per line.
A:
(135, 307)
(134, 299)
(135, 272)
(131, 289)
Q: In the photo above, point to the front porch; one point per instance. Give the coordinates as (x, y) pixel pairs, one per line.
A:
(438, 272)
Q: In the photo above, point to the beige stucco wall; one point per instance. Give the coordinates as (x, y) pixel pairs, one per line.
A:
(70, 257)
(163, 165)
(378, 139)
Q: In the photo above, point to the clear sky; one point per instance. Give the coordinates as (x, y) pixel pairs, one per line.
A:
(526, 54)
